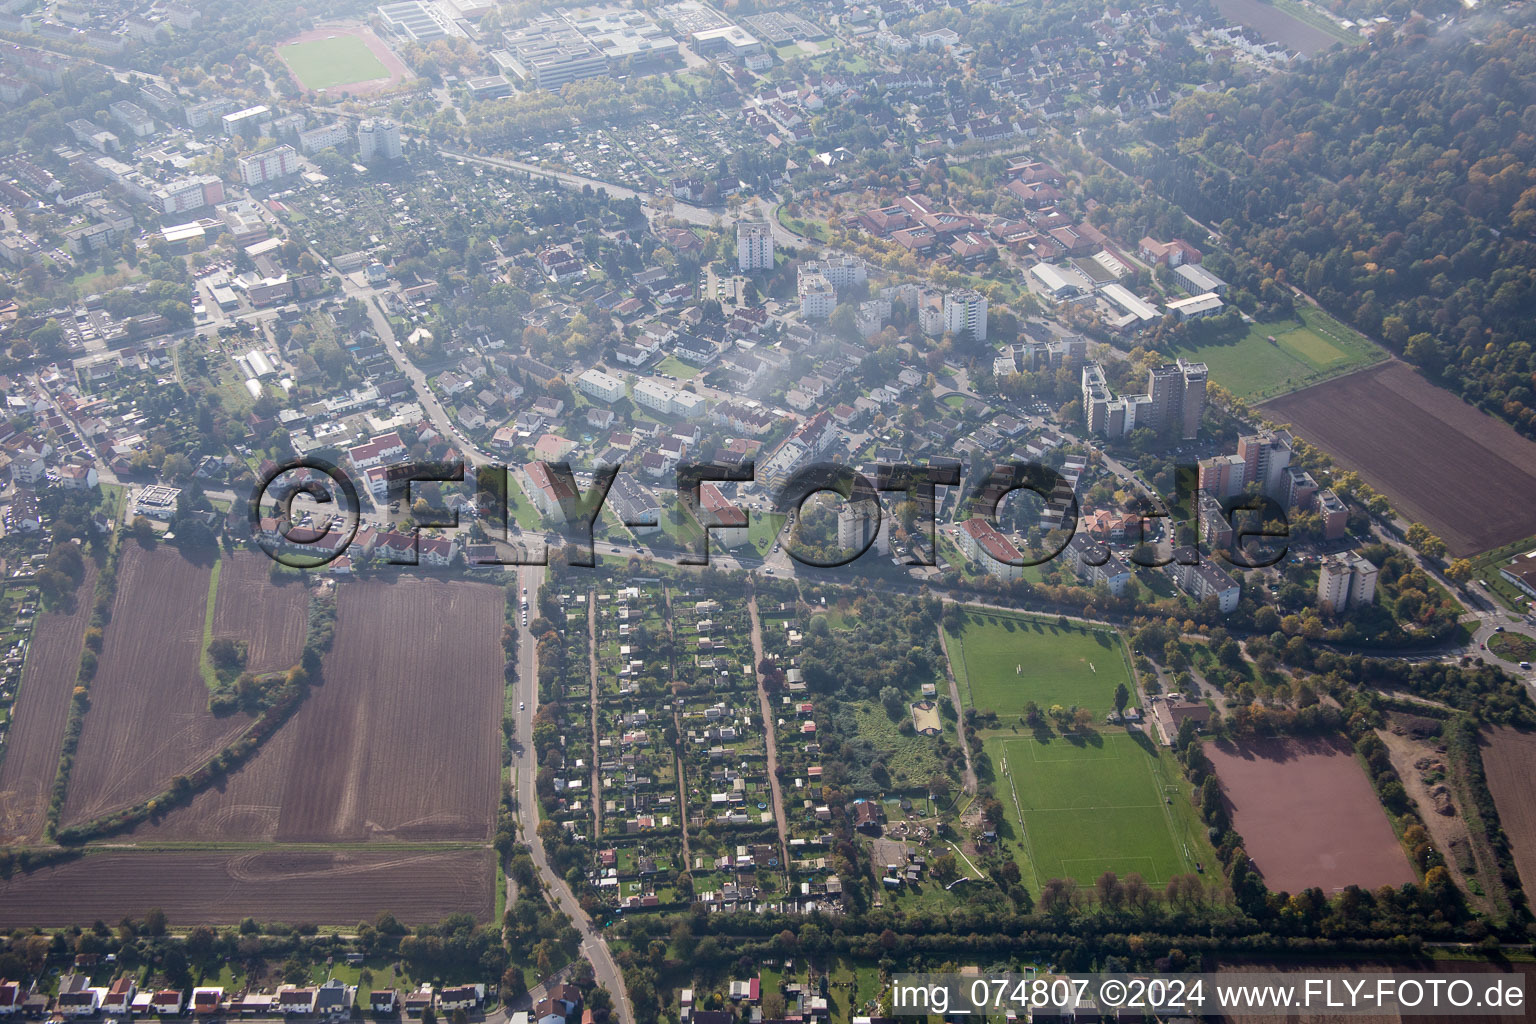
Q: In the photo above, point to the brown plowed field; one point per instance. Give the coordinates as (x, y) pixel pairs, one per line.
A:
(149, 719)
(401, 743)
(41, 712)
(297, 887)
(1467, 476)
(1509, 761)
(1308, 815)
(270, 618)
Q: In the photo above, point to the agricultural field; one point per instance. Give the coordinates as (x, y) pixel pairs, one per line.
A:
(1308, 815)
(326, 887)
(39, 716)
(401, 743)
(1509, 756)
(1305, 351)
(1413, 442)
(269, 617)
(1004, 661)
(329, 57)
(149, 720)
(1081, 806)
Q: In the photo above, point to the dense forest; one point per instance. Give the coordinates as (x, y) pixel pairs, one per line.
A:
(1394, 184)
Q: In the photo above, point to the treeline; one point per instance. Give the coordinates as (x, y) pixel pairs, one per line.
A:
(1395, 184)
(284, 693)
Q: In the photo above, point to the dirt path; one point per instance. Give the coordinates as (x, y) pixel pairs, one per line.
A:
(597, 795)
(954, 696)
(768, 733)
(677, 727)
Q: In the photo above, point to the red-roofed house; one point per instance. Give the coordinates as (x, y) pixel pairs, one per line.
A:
(995, 553)
(717, 508)
(549, 493)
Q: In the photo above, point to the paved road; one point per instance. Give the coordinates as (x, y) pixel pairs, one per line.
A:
(524, 767)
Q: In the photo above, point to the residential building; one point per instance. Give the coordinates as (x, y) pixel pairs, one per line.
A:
(1201, 578)
(250, 118)
(965, 314)
(860, 525)
(728, 523)
(982, 544)
(269, 165)
(1095, 564)
(818, 298)
(378, 139)
(552, 496)
(326, 136)
(813, 437)
(1346, 580)
(1170, 254)
(1266, 459)
(663, 398)
(1334, 513)
(754, 246)
(1223, 475)
(604, 387)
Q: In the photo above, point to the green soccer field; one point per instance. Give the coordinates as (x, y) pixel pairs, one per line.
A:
(1078, 808)
(1004, 661)
(1305, 351)
(338, 60)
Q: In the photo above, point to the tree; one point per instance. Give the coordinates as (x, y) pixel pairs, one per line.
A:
(143, 530)
(1459, 571)
(1122, 698)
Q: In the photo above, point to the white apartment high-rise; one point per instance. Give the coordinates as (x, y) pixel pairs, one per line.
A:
(269, 165)
(1346, 580)
(378, 139)
(965, 313)
(754, 246)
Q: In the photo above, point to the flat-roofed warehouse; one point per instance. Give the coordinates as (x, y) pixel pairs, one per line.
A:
(548, 52)
(627, 36)
(780, 27)
(417, 21)
(731, 39)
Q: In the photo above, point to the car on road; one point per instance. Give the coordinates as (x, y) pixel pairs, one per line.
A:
(522, 705)
(1498, 629)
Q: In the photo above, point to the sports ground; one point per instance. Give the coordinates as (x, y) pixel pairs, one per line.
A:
(1004, 661)
(1307, 350)
(353, 60)
(1075, 806)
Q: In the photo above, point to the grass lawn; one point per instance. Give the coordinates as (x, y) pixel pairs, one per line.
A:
(521, 509)
(1305, 351)
(1512, 646)
(809, 228)
(1004, 661)
(1102, 803)
(1317, 20)
(210, 677)
(338, 60)
(763, 529)
(677, 368)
